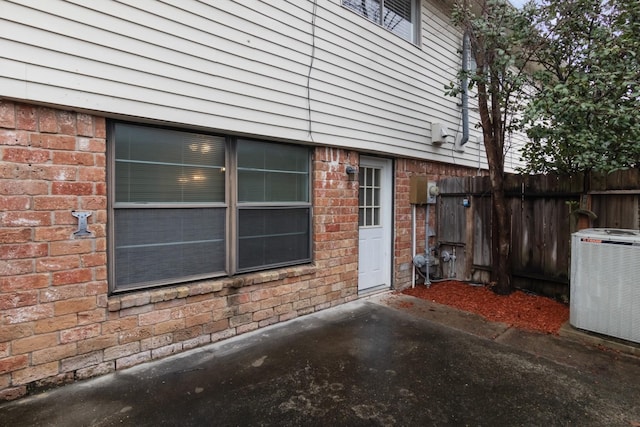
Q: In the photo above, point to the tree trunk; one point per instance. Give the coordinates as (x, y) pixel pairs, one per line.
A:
(493, 144)
(501, 260)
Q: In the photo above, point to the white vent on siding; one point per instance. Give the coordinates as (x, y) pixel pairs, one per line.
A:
(605, 282)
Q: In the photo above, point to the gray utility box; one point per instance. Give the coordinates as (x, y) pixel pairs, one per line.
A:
(605, 282)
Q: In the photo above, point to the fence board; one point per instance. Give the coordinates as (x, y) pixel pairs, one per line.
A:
(540, 220)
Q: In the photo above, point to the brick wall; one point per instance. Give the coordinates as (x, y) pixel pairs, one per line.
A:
(403, 256)
(58, 323)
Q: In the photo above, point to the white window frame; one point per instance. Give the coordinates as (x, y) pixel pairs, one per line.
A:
(379, 18)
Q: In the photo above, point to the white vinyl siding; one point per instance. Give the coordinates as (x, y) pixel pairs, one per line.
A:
(241, 67)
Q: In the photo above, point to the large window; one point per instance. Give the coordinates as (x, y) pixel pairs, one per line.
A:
(398, 16)
(185, 206)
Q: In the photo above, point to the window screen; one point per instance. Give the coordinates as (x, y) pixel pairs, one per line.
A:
(273, 204)
(169, 214)
(398, 16)
(171, 199)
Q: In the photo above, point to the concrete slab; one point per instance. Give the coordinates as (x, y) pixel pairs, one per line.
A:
(369, 362)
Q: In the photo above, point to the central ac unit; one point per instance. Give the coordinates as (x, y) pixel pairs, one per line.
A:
(605, 282)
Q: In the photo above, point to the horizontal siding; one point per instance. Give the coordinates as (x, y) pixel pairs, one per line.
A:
(241, 67)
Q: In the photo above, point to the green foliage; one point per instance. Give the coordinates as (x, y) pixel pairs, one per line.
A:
(585, 113)
(499, 36)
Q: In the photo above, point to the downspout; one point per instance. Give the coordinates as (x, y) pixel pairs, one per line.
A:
(464, 83)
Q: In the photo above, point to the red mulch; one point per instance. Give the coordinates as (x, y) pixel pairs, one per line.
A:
(518, 309)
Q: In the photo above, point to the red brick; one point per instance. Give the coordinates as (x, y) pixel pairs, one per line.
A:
(156, 342)
(47, 120)
(59, 293)
(58, 263)
(119, 325)
(56, 173)
(93, 203)
(97, 315)
(24, 282)
(92, 174)
(65, 218)
(27, 314)
(17, 137)
(93, 145)
(81, 361)
(94, 371)
(271, 302)
(25, 219)
(57, 323)
(58, 352)
(136, 334)
(18, 299)
(15, 203)
(239, 299)
(72, 188)
(16, 267)
(13, 363)
(98, 287)
(79, 333)
(121, 350)
(53, 142)
(248, 307)
(168, 326)
(80, 275)
(84, 123)
(97, 343)
(12, 332)
(134, 359)
(7, 114)
(74, 305)
(93, 260)
(26, 117)
(100, 160)
(50, 234)
(23, 187)
(263, 314)
(100, 127)
(217, 326)
(199, 319)
(35, 373)
(166, 351)
(25, 155)
(13, 393)
(154, 317)
(73, 158)
(101, 189)
(66, 122)
(35, 342)
(15, 235)
(70, 247)
(52, 203)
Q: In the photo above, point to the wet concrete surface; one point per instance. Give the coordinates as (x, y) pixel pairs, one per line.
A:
(384, 360)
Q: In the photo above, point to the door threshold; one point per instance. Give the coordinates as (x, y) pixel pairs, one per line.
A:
(373, 290)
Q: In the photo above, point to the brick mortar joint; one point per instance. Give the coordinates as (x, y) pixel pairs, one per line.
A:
(210, 286)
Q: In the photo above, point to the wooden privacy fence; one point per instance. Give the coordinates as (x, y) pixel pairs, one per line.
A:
(544, 212)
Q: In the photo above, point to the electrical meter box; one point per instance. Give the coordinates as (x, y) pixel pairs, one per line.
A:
(418, 190)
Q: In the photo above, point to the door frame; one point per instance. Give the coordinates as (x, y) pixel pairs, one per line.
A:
(386, 219)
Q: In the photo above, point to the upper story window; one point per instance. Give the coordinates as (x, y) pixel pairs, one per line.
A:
(398, 16)
(186, 206)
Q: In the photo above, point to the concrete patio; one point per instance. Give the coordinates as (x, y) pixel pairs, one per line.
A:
(384, 360)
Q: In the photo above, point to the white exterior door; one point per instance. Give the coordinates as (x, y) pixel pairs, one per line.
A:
(374, 212)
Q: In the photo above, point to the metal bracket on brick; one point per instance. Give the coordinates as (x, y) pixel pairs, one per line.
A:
(82, 224)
